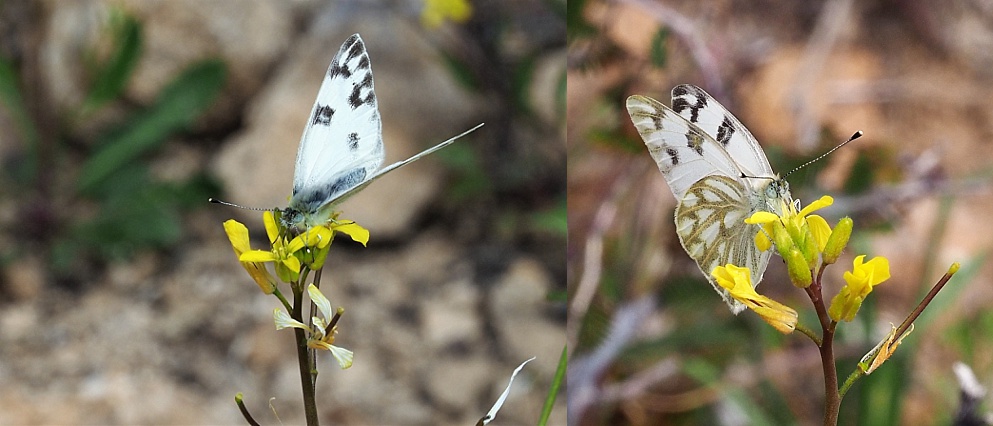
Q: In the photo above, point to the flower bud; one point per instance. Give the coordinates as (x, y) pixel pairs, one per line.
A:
(799, 269)
(784, 243)
(838, 240)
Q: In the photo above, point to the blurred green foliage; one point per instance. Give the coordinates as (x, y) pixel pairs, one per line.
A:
(128, 209)
(521, 190)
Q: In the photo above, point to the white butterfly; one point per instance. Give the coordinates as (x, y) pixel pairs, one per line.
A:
(719, 175)
(342, 145)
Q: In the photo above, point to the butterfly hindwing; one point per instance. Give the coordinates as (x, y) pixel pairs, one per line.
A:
(342, 143)
(710, 222)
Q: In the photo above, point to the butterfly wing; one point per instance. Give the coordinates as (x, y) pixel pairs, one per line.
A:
(701, 109)
(342, 144)
(710, 222)
(683, 152)
(703, 153)
(399, 164)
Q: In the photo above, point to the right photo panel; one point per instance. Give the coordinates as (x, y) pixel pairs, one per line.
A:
(778, 212)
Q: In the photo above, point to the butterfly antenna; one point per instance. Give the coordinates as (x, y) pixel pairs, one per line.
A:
(225, 203)
(857, 135)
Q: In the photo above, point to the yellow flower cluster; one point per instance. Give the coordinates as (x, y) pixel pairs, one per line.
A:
(806, 243)
(436, 12)
(290, 255)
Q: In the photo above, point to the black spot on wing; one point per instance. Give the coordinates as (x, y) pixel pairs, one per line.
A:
(694, 142)
(356, 49)
(673, 155)
(353, 141)
(349, 50)
(363, 63)
(681, 97)
(356, 99)
(725, 131)
(322, 115)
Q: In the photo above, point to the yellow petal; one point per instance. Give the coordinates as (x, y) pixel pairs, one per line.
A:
(258, 256)
(761, 217)
(821, 203)
(318, 236)
(261, 276)
(293, 264)
(354, 231)
(779, 316)
(877, 269)
(271, 229)
(762, 241)
(733, 278)
(820, 229)
(238, 235)
(295, 245)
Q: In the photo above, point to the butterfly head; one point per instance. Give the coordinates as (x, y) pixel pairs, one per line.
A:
(778, 188)
(291, 219)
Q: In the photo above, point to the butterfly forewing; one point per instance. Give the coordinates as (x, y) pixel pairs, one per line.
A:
(699, 108)
(342, 144)
(682, 151)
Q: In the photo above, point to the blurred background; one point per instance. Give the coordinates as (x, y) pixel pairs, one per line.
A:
(650, 342)
(121, 301)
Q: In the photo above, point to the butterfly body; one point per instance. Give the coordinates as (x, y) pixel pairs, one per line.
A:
(719, 176)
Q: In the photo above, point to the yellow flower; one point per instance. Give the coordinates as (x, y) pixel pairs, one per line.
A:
(317, 240)
(282, 253)
(796, 223)
(322, 335)
(435, 12)
(738, 282)
(861, 279)
(238, 235)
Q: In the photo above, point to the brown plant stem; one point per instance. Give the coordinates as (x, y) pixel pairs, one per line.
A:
(832, 399)
(303, 359)
(924, 302)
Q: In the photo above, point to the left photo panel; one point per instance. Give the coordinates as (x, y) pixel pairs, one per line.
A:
(266, 212)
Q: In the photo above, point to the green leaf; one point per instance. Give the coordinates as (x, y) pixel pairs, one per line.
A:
(12, 98)
(576, 24)
(553, 390)
(553, 220)
(179, 104)
(861, 176)
(460, 71)
(521, 84)
(659, 54)
(111, 79)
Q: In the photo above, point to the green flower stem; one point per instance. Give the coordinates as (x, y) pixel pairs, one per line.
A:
(809, 333)
(857, 374)
(244, 410)
(832, 399)
(303, 358)
(282, 299)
